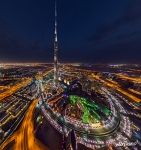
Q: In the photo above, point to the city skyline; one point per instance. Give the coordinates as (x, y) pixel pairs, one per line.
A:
(70, 75)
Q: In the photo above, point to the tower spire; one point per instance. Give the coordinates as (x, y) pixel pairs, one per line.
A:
(55, 47)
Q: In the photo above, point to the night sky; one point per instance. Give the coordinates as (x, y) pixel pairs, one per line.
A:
(98, 31)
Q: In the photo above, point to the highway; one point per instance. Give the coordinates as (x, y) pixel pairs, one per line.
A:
(133, 79)
(117, 88)
(14, 88)
(24, 138)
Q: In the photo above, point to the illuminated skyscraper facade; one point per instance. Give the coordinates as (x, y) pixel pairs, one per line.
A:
(55, 48)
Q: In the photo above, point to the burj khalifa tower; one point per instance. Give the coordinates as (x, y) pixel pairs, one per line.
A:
(55, 48)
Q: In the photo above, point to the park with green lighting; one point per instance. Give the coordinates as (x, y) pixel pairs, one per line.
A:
(91, 111)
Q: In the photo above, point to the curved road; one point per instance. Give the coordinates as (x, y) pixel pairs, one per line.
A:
(24, 138)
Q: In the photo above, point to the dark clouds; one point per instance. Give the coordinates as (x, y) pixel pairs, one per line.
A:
(120, 41)
(131, 14)
(94, 31)
(13, 47)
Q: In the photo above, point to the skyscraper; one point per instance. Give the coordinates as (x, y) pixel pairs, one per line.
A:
(55, 48)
